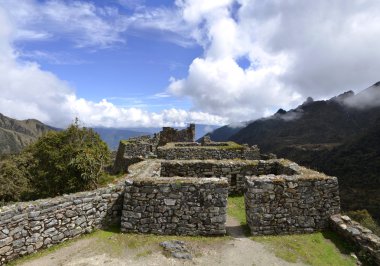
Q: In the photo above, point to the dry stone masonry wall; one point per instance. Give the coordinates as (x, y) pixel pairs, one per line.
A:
(363, 238)
(172, 152)
(175, 206)
(283, 204)
(233, 170)
(30, 226)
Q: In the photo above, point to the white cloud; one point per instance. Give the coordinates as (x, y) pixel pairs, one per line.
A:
(295, 49)
(26, 91)
(85, 24)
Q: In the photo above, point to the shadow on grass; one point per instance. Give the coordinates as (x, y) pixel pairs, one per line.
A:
(343, 246)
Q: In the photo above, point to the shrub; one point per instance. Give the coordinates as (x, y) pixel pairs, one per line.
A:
(59, 162)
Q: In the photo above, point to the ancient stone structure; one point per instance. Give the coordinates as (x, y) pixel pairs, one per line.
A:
(175, 206)
(132, 151)
(183, 196)
(135, 148)
(230, 150)
(29, 226)
(234, 170)
(365, 241)
(169, 134)
(286, 204)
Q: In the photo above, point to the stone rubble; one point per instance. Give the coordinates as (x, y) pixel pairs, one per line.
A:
(366, 242)
(176, 249)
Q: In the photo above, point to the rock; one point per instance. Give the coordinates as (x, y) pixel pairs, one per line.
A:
(176, 249)
(170, 202)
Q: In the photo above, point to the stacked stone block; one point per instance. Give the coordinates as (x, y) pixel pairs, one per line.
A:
(207, 153)
(30, 226)
(290, 204)
(175, 206)
(234, 170)
(367, 243)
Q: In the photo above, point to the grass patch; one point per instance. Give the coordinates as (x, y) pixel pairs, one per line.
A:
(236, 209)
(44, 252)
(106, 179)
(317, 249)
(114, 243)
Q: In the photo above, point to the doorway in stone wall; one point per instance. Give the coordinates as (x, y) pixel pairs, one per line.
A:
(236, 224)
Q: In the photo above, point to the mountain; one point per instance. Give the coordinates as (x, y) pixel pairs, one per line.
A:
(17, 134)
(357, 164)
(339, 136)
(312, 125)
(112, 136)
(224, 133)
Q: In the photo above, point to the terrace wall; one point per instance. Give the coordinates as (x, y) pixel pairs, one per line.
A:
(365, 241)
(175, 206)
(207, 153)
(30, 226)
(234, 171)
(300, 203)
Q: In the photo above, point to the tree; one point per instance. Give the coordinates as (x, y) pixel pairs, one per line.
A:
(68, 161)
(14, 177)
(59, 162)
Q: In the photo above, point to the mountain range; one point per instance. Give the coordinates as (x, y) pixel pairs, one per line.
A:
(17, 134)
(339, 136)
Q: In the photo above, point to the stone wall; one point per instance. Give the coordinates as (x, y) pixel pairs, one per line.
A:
(130, 152)
(282, 204)
(172, 152)
(233, 170)
(30, 226)
(175, 206)
(169, 134)
(367, 243)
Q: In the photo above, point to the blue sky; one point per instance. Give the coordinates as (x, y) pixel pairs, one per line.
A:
(136, 63)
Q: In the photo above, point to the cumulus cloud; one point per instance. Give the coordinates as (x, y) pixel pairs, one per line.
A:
(27, 91)
(292, 49)
(295, 49)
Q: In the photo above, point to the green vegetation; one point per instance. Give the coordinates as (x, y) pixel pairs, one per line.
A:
(317, 249)
(231, 146)
(236, 209)
(59, 162)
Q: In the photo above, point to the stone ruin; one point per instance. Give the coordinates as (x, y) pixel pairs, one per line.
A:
(169, 134)
(173, 144)
(182, 192)
(190, 197)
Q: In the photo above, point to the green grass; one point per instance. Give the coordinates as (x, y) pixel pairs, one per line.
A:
(318, 249)
(236, 208)
(106, 179)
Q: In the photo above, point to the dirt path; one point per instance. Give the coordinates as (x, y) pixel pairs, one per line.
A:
(238, 251)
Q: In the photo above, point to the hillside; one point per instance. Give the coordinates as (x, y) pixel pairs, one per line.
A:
(17, 134)
(112, 136)
(339, 136)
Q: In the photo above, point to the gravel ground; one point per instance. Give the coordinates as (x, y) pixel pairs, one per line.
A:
(239, 250)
